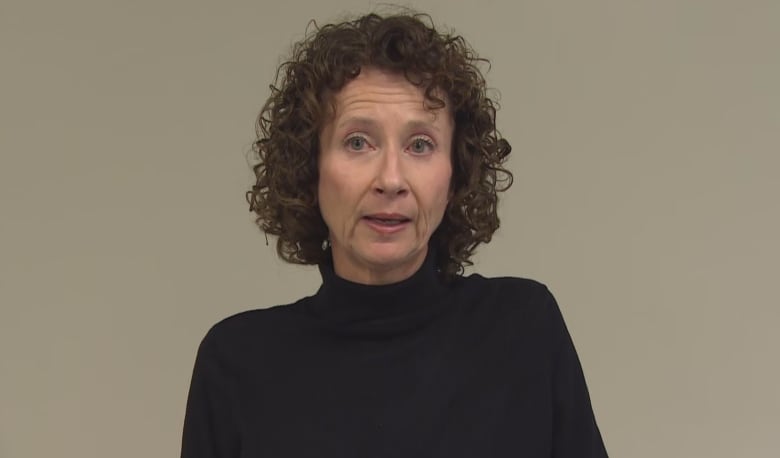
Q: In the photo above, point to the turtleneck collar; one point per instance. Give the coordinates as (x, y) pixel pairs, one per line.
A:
(353, 308)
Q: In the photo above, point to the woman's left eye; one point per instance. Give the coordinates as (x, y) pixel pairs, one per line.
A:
(421, 145)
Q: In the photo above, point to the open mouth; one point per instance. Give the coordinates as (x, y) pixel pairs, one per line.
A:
(389, 222)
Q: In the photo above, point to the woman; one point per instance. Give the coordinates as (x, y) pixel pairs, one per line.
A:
(380, 162)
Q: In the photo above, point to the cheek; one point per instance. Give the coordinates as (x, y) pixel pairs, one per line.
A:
(325, 196)
(444, 188)
(334, 196)
(438, 196)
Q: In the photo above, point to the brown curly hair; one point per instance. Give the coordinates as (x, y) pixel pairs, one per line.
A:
(284, 196)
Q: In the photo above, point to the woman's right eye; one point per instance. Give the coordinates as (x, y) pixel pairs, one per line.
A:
(356, 143)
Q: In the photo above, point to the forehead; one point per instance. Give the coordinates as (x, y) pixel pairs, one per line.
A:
(375, 89)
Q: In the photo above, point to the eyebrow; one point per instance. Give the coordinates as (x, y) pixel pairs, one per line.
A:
(363, 121)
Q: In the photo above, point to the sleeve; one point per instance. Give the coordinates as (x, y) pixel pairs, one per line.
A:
(210, 429)
(575, 433)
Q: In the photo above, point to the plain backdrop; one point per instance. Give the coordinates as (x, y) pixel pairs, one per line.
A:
(646, 149)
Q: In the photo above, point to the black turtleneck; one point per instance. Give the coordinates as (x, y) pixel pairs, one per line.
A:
(473, 368)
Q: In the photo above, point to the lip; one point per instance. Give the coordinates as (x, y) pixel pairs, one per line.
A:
(398, 216)
(386, 230)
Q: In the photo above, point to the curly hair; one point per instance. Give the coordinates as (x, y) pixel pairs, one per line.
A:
(284, 196)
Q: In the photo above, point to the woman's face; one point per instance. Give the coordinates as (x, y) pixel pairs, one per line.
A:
(384, 177)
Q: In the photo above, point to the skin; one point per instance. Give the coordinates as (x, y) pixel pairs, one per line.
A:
(383, 152)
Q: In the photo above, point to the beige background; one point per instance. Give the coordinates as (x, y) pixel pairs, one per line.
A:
(646, 140)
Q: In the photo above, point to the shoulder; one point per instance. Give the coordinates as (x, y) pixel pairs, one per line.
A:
(252, 319)
(252, 328)
(510, 291)
(517, 284)
(520, 302)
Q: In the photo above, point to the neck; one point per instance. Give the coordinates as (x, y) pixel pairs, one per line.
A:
(379, 310)
(375, 274)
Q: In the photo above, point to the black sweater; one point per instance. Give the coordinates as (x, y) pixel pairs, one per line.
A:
(480, 368)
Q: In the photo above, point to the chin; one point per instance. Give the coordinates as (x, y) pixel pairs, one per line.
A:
(392, 256)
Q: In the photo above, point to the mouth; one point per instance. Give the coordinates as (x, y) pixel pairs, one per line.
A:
(387, 218)
(385, 222)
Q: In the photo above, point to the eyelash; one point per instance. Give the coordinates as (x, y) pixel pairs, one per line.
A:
(427, 141)
(348, 141)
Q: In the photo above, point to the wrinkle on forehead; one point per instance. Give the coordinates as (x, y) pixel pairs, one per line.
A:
(364, 95)
(378, 86)
(372, 88)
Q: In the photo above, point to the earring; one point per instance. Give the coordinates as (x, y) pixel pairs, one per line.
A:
(325, 244)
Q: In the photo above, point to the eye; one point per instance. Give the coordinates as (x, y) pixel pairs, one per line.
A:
(356, 143)
(421, 145)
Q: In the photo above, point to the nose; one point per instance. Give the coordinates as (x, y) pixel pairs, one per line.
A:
(390, 178)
